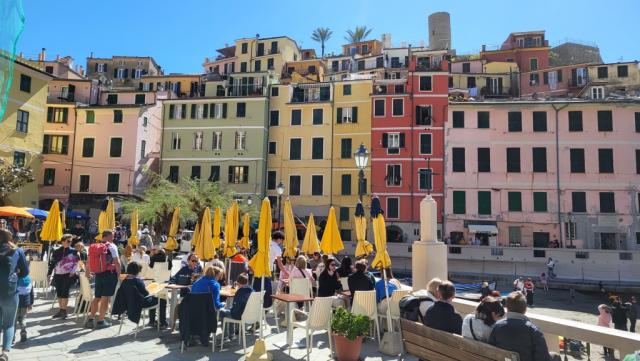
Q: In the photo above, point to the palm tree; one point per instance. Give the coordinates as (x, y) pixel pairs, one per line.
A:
(357, 35)
(321, 35)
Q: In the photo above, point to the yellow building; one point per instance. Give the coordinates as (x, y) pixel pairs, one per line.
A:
(264, 54)
(22, 127)
(620, 78)
(176, 85)
(304, 71)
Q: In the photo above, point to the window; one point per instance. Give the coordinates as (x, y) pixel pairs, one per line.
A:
(539, 121)
(484, 203)
(603, 72)
(19, 158)
(121, 73)
(539, 201)
(398, 107)
(576, 158)
(378, 105)
(394, 176)
(515, 121)
(257, 65)
(25, 83)
(346, 89)
(216, 142)
(605, 160)
(143, 148)
(294, 185)
(84, 183)
(238, 174)
(575, 121)
(539, 156)
(425, 143)
(318, 116)
(295, 149)
(597, 92)
(215, 174)
(466, 67)
(113, 182)
(347, 115)
(393, 208)
(274, 91)
(270, 64)
(244, 48)
(112, 99)
(345, 148)
(139, 99)
(55, 144)
(637, 161)
(274, 118)
(483, 120)
(91, 117)
(195, 172)
(272, 175)
(515, 235)
(115, 148)
(515, 201)
(534, 79)
(344, 214)
(240, 142)
(88, 145)
(484, 160)
(273, 148)
(117, 116)
(243, 67)
(607, 202)
(513, 160)
(425, 83)
(49, 176)
(22, 121)
(457, 157)
(317, 185)
(623, 71)
(393, 142)
(57, 115)
(459, 202)
(578, 202)
(458, 119)
(296, 116)
(317, 148)
(241, 109)
(345, 185)
(471, 82)
(424, 180)
(198, 137)
(137, 73)
(423, 115)
(450, 82)
(605, 121)
(533, 64)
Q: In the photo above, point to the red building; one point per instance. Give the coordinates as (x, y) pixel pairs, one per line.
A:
(407, 136)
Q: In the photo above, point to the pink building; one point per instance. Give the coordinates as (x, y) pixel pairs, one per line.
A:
(523, 173)
(223, 64)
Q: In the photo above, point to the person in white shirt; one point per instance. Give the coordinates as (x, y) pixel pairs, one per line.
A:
(431, 292)
(478, 326)
(275, 249)
(141, 256)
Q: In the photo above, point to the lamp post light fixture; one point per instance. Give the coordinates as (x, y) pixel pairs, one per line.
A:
(362, 158)
(280, 190)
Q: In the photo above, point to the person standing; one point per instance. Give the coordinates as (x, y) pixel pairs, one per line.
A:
(544, 282)
(104, 264)
(64, 274)
(604, 320)
(632, 310)
(529, 290)
(551, 265)
(619, 315)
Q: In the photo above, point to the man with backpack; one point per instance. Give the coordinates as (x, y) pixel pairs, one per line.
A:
(104, 264)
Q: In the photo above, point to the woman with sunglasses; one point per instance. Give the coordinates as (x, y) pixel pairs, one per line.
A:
(329, 283)
(189, 268)
(65, 259)
(478, 326)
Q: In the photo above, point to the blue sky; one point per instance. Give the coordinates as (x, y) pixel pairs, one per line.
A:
(180, 34)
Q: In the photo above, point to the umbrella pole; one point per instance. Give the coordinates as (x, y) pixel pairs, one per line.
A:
(391, 341)
(386, 292)
(259, 349)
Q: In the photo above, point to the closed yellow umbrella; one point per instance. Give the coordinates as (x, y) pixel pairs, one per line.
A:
(216, 228)
(133, 239)
(290, 233)
(244, 241)
(382, 259)
(331, 241)
(52, 227)
(196, 235)
(172, 244)
(363, 248)
(106, 219)
(259, 263)
(63, 218)
(231, 230)
(205, 248)
(310, 245)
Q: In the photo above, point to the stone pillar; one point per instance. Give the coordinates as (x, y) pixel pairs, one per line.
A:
(429, 257)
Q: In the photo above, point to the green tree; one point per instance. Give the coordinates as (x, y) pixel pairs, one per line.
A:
(359, 34)
(321, 35)
(12, 179)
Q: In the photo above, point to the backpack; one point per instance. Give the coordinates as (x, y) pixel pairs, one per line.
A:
(100, 258)
(8, 275)
(410, 307)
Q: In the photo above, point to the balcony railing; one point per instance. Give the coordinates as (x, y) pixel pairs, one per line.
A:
(238, 91)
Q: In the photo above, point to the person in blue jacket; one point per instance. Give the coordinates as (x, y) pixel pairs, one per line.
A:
(239, 300)
(209, 283)
(13, 266)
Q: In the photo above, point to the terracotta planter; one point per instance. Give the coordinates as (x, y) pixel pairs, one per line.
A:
(347, 350)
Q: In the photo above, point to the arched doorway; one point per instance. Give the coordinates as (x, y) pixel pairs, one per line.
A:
(394, 234)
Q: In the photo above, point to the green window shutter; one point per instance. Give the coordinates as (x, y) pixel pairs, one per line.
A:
(65, 144)
(484, 202)
(224, 110)
(193, 111)
(354, 114)
(49, 114)
(45, 144)
(459, 202)
(184, 111)
(65, 114)
(205, 110)
(172, 109)
(91, 117)
(339, 116)
(539, 201)
(515, 201)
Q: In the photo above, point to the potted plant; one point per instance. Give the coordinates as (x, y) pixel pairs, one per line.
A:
(347, 330)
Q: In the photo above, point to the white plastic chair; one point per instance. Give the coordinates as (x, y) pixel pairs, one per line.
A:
(84, 298)
(394, 306)
(300, 286)
(318, 319)
(38, 273)
(252, 314)
(364, 303)
(345, 283)
(142, 318)
(160, 275)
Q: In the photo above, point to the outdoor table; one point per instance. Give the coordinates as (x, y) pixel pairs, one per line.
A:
(174, 289)
(290, 299)
(124, 275)
(229, 293)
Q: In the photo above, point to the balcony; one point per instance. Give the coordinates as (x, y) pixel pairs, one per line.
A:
(311, 93)
(247, 90)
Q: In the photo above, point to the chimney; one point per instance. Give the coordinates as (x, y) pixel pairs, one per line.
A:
(81, 70)
(42, 55)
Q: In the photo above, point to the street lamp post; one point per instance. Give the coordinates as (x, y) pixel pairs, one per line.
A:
(280, 190)
(362, 158)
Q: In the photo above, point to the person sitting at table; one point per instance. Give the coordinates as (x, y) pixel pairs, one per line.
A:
(157, 255)
(361, 280)
(133, 296)
(209, 283)
(141, 256)
(346, 267)
(300, 270)
(329, 283)
(314, 261)
(189, 268)
(381, 296)
(240, 299)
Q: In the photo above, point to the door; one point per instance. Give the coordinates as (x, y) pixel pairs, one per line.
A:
(541, 239)
(608, 241)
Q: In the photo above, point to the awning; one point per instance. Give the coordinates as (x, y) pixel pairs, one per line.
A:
(483, 228)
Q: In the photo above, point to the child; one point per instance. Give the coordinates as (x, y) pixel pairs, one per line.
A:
(239, 301)
(25, 294)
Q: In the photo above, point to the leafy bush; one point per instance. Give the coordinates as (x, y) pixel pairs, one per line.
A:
(349, 325)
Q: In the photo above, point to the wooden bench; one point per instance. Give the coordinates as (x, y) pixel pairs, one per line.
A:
(434, 345)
